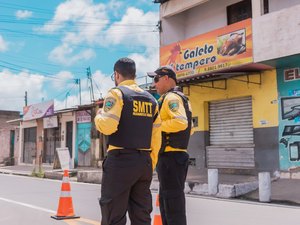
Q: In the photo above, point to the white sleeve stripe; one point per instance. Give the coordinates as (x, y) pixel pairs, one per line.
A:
(111, 116)
(180, 117)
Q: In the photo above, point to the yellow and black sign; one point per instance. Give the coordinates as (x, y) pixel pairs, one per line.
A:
(141, 108)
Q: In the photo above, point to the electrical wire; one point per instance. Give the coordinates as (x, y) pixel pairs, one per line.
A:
(56, 40)
(33, 70)
(36, 61)
(33, 76)
(65, 92)
(48, 12)
(100, 93)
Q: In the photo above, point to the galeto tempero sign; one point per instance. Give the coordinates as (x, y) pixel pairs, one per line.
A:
(227, 47)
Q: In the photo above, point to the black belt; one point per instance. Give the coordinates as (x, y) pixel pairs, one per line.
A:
(127, 151)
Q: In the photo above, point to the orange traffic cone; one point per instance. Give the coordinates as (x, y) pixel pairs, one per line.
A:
(65, 207)
(157, 217)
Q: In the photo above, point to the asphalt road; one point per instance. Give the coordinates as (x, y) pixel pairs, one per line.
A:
(31, 201)
(25, 200)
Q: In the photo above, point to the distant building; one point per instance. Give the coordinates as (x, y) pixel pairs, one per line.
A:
(73, 128)
(238, 61)
(9, 137)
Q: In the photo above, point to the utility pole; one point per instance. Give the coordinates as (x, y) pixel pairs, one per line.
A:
(25, 98)
(89, 76)
(77, 81)
(66, 103)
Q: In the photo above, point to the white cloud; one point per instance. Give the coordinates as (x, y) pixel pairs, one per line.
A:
(134, 27)
(13, 87)
(23, 14)
(147, 62)
(81, 21)
(72, 101)
(87, 18)
(63, 80)
(84, 22)
(102, 84)
(114, 6)
(3, 44)
(65, 54)
(120, 33)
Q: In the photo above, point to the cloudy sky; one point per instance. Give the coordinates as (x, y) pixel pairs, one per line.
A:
(45, 46)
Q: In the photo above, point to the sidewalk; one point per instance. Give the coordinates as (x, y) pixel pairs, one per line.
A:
(283, 191)
(23, 170)
(230, 186)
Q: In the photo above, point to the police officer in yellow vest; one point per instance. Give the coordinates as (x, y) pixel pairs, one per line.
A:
(176, 117)
(130, 118)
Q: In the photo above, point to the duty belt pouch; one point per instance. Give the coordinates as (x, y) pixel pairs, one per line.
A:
(163, 144)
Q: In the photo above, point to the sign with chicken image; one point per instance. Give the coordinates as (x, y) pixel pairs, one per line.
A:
(232, 44)
(221, 49)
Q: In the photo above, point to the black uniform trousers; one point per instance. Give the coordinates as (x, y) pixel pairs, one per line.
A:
(172, 170)
(126, 180)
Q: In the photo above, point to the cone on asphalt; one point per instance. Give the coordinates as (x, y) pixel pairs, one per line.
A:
(65, 206)
(157, 217)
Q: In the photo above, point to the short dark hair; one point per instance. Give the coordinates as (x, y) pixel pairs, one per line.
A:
(126, 67)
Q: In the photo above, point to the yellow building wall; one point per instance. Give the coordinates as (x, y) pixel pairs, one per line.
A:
(264, 98)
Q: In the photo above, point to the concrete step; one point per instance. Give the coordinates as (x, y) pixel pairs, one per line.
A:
(58, 174)
(90, 176)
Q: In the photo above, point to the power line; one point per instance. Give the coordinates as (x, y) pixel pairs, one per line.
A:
(34, 70)
(17, 6)
(82, 45)
(33, 76)
(48, 12)
(35, 9)
(64, 92)
(100, 93)
(76, 23)
(68, 93)
(37, 62)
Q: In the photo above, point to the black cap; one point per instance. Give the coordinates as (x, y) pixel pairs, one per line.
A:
(162, 71)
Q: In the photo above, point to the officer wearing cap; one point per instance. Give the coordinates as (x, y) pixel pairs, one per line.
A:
(176, 117)
(130, 118)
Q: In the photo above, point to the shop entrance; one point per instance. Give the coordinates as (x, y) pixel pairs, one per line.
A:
(51, 142)
(231, 134)
(29, 150)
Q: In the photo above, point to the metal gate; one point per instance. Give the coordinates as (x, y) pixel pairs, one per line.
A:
(69, 137)
(84, 144)
(231, 134)
(12, 148)
(29, 151)
(51, 142)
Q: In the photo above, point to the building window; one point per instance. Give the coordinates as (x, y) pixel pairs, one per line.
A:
(239, 11)
(266, 6)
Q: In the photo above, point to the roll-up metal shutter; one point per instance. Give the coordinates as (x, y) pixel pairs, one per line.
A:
(231, 134)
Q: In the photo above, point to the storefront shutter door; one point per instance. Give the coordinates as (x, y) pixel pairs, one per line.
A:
(231, 134)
